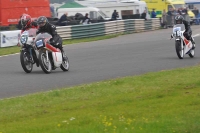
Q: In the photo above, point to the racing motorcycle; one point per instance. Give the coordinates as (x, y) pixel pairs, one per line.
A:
(49, 56)
(28, 52)
(182, 45)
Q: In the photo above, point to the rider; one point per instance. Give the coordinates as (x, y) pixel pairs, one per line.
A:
(45, 26)
(188, 33)
(27, 23)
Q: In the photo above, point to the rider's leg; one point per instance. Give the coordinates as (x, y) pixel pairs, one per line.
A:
(62, 50)
(191, 39)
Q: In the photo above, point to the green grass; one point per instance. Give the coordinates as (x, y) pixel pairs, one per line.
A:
(161, 102)
(15, 49)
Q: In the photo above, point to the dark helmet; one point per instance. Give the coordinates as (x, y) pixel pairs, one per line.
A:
(179, 19)
(41, 21)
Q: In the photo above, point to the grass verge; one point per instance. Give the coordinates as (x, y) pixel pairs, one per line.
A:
(15, 49)
(161, 102)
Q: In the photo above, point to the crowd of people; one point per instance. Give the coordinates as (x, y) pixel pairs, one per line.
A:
(168, 17)
(64, 19)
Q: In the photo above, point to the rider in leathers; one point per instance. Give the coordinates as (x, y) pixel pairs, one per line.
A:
(45, 26)
(188, 32)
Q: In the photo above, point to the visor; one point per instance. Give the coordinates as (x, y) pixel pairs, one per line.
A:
(178, 22)
(42, 24)
(23, 22)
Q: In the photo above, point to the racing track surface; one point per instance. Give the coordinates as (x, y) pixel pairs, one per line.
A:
(126, 55)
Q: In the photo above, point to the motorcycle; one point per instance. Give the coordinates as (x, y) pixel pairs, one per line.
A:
(182, 45)
(49, 56)
(28, 52)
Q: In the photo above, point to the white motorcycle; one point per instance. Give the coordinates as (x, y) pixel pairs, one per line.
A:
(50, 57)
(28, 52)
(182, 45)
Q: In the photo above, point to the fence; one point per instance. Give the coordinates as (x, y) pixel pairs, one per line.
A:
(111, 27)
(9, 38)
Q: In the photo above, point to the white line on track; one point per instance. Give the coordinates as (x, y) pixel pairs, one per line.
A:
(9, 55)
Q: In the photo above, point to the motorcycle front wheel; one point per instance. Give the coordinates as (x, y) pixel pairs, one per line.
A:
(179, 49)
(45, 64)
(25, 62)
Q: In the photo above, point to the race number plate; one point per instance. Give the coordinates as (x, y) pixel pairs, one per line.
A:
(177, 29)
(39, 43)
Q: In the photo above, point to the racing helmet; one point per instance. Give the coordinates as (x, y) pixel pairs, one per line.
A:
(179, 19)
(25, 20)
(41, 21)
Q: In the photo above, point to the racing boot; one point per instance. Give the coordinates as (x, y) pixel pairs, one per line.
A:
(63, 54)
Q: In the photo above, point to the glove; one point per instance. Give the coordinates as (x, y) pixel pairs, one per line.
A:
(186, 33)
(52, 42)
(34, 24)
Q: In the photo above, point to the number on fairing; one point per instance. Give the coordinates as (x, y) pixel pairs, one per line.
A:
(39, 43)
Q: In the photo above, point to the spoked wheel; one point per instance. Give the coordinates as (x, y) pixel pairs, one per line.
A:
(65, 64)
(45, 64)
(25, 62)
(179, 49)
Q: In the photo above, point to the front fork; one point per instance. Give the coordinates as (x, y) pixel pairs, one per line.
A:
(29, 50)
(47, 54)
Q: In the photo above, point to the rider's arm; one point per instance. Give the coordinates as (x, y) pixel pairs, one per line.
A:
(187, 25)
(34, 24)
(53, 31)
(38, 31)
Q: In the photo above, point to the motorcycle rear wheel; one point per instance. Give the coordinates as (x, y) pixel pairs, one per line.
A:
(65, 64)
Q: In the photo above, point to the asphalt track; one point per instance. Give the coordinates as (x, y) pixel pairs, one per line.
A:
(126, 55)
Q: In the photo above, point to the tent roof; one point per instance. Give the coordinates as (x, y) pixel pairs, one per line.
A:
(72, 5)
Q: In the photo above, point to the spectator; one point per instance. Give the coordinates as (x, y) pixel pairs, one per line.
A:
(170, 17)
(153, 14)
(174, 13)
(115, 15)
(63, 20)
(86, 19)
(164, 19)
(196, 13)
(52, 11)
(143, 15)
(179, 11)
(169, 12)
(184, 11)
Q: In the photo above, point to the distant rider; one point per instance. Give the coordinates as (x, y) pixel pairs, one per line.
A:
(188, 32)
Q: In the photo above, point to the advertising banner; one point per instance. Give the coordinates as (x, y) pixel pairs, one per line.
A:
(9, 38)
